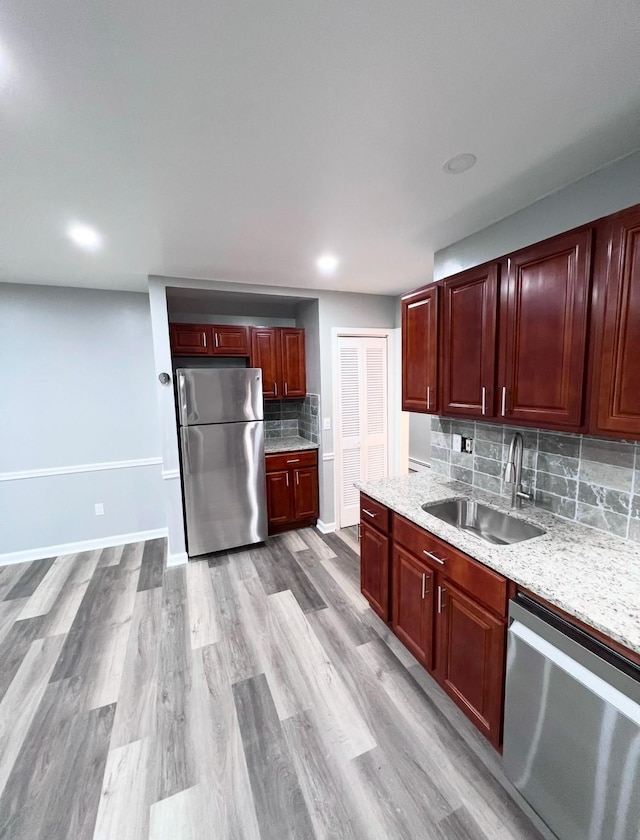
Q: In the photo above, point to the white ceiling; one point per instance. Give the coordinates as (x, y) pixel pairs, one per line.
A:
(238, 139)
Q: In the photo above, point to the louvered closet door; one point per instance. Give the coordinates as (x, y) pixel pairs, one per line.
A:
(362, 416)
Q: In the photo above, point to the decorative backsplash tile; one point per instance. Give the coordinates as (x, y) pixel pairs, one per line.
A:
(293, 418)
(593, 481)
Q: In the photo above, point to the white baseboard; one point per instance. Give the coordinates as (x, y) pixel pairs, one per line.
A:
(75, 547)
(179, 559)
(325, 527)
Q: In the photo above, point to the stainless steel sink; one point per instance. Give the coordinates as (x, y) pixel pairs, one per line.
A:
(491, 525)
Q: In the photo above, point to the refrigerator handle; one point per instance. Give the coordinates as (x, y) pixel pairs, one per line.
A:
(182, 392)
(186, 458)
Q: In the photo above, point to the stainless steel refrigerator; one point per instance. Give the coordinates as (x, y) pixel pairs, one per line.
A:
(222, 453)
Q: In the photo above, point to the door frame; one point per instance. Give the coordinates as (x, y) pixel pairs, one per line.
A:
(392, 334)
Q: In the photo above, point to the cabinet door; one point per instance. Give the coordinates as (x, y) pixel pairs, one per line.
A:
(374, 569)
(469, 342)
(294, 377)
(279, 498)
(420, 351)
(191, 340)
(616, 394)
(470, 658)
(412, 617)
(265, 354)
(545, 328)
(231, 341)
(305, 493)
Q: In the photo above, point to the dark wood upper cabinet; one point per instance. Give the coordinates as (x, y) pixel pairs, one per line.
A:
(420, 350)
(280, 352)
(616, 360)
(265, 354)
(470, 302)
(294, 375)
(191, 339)
(471, 657)
(412, 611)
(231, 341)
(209, 340)
(544, 317)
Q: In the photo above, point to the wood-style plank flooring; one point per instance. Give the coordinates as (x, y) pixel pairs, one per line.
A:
(252, 694)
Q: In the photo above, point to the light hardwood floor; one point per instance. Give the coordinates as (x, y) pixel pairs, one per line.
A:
(249, 695)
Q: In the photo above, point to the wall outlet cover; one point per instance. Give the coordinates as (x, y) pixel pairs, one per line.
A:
(99, 509)
(456, 443)
(326, 423)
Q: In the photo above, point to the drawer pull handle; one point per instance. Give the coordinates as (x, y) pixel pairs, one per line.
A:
(293, 460)
(433, 556)
(368, 512)
(425, 591)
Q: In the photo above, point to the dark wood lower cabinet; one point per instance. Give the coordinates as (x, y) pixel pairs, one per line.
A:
(292, 490)
(278, 498)
(470, 658)
(449, 610)
(305, 493)
(412, 618)
(374, 569)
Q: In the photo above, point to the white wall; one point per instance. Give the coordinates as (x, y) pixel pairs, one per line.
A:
(78, 392)
(606, 191)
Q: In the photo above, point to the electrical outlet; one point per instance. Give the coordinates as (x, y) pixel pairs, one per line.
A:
(326, 423)
(468, 445)
(99, 509)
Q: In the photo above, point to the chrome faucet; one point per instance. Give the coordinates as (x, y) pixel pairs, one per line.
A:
(513, 471)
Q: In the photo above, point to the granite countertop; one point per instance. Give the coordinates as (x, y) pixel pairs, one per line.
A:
(291, 444)
(593, 576)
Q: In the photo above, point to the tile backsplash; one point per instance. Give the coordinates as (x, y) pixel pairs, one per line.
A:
(292, 418)
(593, 481)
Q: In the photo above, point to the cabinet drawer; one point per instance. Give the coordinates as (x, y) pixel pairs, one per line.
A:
(486, 586)
(374, 513)
(291, 460)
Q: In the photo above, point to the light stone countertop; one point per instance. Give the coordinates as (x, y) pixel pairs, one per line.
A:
(292, 444)
(593, 576)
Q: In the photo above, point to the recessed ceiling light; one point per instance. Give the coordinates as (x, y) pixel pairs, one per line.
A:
(459, 163)
(327, 264)
(84, 236)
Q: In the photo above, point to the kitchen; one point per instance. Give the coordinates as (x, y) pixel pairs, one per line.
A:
(213, 194)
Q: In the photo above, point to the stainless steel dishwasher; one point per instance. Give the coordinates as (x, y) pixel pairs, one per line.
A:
(572, 727)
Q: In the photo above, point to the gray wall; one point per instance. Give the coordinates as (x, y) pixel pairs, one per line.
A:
(420, 438)
(610, 189)
(78, 390)
(245, 320)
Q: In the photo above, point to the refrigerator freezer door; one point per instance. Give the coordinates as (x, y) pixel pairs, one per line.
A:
(224, 485)
(229, 395)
